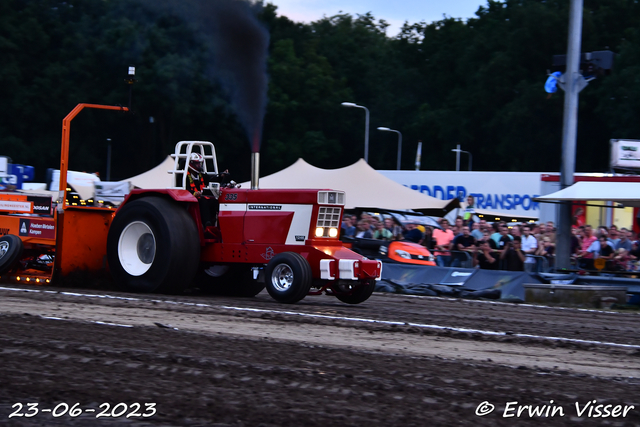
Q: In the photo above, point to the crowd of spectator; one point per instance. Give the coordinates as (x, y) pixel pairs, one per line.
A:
(505, 246)
(618, 247)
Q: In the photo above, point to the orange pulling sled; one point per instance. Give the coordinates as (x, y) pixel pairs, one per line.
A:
(46, 236)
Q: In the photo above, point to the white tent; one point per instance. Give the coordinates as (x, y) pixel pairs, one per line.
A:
(364, 186)
(81, 182)
(626, 193)
(158, 177)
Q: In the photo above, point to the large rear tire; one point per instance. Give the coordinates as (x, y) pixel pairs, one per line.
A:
(360, 293)
(288, 277)
(230, 281)
(11, 248)
(153, 246)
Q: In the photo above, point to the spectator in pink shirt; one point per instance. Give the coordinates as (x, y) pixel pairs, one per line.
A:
(443, 240)
(584, 255)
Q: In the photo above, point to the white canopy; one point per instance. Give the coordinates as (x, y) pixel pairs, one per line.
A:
(626, 193)
(158, 177)
(364, 186)
(81, 182)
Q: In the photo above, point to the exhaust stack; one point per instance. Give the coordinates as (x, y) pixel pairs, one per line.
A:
(255, 170)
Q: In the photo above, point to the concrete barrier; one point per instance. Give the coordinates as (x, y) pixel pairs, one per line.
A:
(575, 295)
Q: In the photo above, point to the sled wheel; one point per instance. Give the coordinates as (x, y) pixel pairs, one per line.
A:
(11, 248)
(231, 281)
(288, 277)
(153, 246)
(360, 293)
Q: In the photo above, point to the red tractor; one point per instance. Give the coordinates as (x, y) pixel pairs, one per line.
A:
(284, 240)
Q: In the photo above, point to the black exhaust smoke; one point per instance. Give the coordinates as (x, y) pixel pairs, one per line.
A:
(238, 45)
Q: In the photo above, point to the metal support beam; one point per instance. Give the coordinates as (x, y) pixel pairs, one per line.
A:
(572, 80)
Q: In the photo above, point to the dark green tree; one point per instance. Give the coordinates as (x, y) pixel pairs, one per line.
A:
(478, 83)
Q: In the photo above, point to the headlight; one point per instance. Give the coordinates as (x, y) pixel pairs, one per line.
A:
(326, 232)
(403, 254)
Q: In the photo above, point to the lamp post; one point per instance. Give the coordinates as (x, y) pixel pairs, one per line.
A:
(572, 89)
(458, 151)
(366, 128)
(399, 142)
(131, 79)
(108, 159)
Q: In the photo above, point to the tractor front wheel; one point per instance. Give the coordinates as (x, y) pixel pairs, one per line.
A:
(229, 280)
(355, 294)
(288, 277)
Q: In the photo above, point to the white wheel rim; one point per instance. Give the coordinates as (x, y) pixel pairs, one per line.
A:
(282, 277)
(4, 247)
(136, 248)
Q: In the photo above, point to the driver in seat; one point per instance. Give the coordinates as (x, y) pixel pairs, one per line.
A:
(197, 181)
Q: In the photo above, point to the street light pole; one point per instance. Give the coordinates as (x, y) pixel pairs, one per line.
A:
(572, 78)
(366, 127)
(458, 151)
(399, 142)
(108, 159)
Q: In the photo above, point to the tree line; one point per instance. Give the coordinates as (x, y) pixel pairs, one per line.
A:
(477, 83)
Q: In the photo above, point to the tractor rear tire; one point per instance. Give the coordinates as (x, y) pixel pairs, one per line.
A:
(236, 281)
(360, 293)
(288, 277)
(153, 246)
(11, 248)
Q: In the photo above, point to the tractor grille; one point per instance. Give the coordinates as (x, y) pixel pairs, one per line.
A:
(329, 217)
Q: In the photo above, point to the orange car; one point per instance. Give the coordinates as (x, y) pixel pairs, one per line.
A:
(401, 251)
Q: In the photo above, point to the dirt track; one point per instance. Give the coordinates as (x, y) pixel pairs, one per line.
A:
(393, 360)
